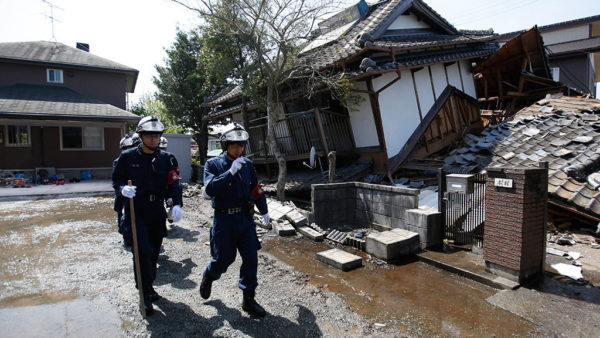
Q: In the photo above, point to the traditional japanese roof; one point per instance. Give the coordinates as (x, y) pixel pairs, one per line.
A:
(563, 131)
(56, 102)
(373, 33)
(376, 35)
(58, 54)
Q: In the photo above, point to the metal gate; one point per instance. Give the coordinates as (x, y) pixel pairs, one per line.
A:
(463, 214)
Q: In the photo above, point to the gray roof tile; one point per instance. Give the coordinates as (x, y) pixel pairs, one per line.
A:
(42, 101)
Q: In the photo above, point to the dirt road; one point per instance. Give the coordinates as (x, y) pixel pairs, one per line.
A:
(64, 272)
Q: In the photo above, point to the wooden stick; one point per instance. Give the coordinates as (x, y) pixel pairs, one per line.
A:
(136, 257)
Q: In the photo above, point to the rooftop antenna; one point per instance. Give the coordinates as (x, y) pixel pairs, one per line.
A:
(51, 16)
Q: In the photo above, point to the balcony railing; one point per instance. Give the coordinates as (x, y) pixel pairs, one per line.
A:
(298, 132)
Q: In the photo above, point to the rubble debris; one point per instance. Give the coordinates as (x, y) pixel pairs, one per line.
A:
(340, 259)
(571, 271)
(574, 255)
(565, 240)
(311, 233)
(356, 243)
(556, 252)
(284, 228)
(337, 236)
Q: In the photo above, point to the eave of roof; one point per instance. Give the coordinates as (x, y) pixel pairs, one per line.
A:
(56, 102)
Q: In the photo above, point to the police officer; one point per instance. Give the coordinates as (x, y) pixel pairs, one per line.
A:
(230, 181)
(125, 143)
(154, 176)
(163, 143)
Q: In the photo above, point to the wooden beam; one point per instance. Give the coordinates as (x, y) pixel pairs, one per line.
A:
(321, 131)
(412, 74)
(510, 84)
(374, 100)
(462, 85)
(431, 80)
(387, 85)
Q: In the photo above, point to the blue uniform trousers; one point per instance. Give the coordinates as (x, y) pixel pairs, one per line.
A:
(228, 234)
(149, 243)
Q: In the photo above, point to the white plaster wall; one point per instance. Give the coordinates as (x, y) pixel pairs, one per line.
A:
(467, 76)
(362, 121)
(439, 78)
(423, 82)
(568, 34)
(407, 22)
(399, 111)
(454, 76)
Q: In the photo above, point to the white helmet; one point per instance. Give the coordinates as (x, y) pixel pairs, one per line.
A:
(150, 124)
(237, 134)
(126, 142)
(135, 139)
(163, 142)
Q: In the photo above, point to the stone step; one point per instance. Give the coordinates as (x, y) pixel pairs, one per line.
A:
(340, 259)
(356, 243)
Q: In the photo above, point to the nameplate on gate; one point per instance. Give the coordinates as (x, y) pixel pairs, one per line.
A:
(503, 182)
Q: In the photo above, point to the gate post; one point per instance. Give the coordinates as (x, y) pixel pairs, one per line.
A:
(514, 233)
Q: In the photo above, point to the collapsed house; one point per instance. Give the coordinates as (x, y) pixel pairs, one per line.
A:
(562, 131)
(411, 69)
(514, 77)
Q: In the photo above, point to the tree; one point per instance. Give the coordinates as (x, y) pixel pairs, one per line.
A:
(274, 29)
(149, 104)
(186, 79)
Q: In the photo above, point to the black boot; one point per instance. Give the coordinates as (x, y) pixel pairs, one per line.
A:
(151, 294)
(251, 306)
(148, 305)
(205, 286)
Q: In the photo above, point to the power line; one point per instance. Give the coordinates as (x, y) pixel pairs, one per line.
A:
(484, 9)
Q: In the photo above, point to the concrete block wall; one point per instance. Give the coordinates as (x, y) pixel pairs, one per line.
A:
(362, 204)
(427, 223)
(514, 239)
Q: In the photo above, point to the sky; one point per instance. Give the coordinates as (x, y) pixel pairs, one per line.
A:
(136, 33)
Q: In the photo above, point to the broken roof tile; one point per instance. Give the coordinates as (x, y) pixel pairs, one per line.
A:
(561, 142)
(583, 139)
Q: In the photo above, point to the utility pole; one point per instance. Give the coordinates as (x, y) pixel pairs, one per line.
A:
(51, 16)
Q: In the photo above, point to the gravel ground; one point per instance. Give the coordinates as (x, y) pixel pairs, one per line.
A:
(55, 250)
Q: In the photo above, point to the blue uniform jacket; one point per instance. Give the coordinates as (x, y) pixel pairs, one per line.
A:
(231, 191)
(153, 174)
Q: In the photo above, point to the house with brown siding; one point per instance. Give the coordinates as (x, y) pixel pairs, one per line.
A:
(61, 107)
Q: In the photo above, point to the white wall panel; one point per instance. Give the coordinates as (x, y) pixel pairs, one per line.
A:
(426, 99)
(362, 121)
(454, 76)
(439, 79)
(467, 76)
(407, 22)
(568, 34)
(399, 111)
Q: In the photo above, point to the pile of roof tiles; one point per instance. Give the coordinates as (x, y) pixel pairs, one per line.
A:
(565, 132)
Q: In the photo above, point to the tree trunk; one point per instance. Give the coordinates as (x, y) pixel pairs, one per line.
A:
(201, 138)
(245, 112)
(273, 145)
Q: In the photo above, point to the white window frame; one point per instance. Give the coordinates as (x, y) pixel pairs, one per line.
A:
(55, 72)
(15, 145)
(83, 148)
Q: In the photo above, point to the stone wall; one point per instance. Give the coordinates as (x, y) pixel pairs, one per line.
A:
(514, 238)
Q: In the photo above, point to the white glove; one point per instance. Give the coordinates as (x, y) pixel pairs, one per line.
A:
(237, 165)
(176, 212)
(266, 218)
(128, 191)
(170, 202)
